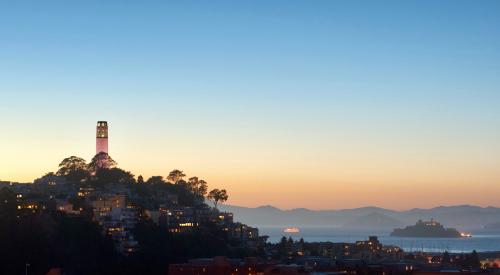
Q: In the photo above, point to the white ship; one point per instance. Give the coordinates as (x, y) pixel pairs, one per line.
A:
(292, 230)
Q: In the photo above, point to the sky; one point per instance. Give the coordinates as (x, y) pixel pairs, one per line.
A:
(314, 104)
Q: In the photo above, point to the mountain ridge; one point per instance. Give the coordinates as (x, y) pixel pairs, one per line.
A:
(367, 207)
(459, 216)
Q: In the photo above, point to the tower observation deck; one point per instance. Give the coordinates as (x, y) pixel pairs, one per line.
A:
(101, 137)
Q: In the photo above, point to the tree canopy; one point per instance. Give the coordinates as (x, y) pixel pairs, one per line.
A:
(155, 180)
(175, 176)
(73, 168)
(217, 196)
(197, 186)
(101, 161)
(114, 175)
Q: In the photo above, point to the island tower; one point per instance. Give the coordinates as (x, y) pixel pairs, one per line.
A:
(101, 143)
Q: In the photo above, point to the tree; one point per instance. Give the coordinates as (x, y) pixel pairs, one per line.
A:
(283, 247)
(114, 175)
(198, 187)
(49, 174)
(446, 258)
(217, 196)
(193, 183)
(202, 188)
(101, 161)
(176, 175)
(71, 163)
(73, 168)
(140, 179)
(301, 242)
(155, 180)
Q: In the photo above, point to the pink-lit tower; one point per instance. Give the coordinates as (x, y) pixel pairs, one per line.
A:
(101, 143)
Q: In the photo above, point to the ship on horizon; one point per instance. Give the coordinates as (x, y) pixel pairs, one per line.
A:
(291, 230)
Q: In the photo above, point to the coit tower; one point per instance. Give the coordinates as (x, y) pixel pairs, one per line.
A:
(101, 143)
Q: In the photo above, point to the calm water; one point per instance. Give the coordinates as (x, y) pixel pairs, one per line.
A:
(480, 241)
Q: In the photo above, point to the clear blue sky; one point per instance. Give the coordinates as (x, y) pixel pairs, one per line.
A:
(370, 93)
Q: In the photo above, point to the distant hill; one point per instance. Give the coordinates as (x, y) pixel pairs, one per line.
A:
(374, 221)
(493, 226)
(465, 217)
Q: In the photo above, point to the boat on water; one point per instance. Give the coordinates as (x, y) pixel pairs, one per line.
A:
(292, 230)
(465, 235)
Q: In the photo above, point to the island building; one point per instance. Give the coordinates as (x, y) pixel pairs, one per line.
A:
(101, 137)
